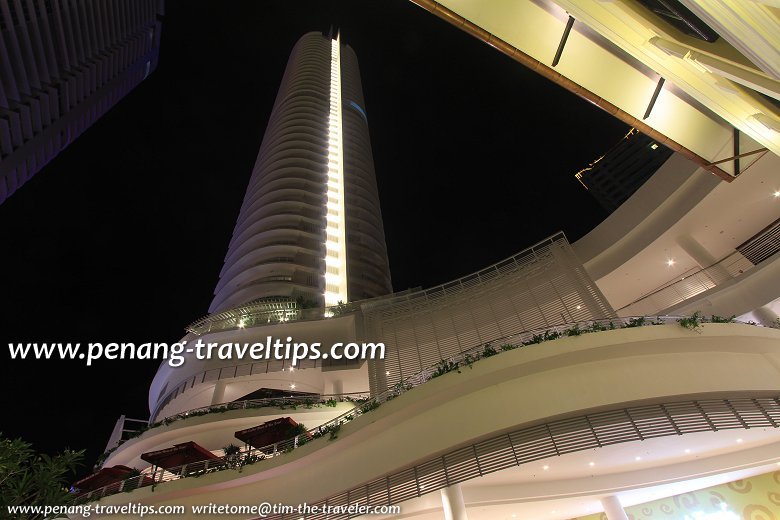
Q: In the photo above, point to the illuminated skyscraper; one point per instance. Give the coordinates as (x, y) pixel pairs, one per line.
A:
(62, 66)
(310, 227)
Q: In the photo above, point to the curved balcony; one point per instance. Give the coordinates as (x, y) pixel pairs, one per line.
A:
(540, 395)
(206, 424)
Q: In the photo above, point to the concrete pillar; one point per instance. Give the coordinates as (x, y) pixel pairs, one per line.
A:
(218, 396)
(452, 502)
(696, 251)
(766, 316)
(701, 256)
(613, 508)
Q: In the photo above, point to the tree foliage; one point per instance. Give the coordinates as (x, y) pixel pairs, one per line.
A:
(30, 478)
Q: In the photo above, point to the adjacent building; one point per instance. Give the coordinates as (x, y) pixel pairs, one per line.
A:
(615, 176)
(62, 66)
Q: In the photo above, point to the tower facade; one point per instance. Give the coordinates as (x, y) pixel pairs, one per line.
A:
(615, 176)
(62, 66)
(310, 226)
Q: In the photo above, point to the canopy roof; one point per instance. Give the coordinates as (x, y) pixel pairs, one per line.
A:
(268, 432)
(178, 455)
(103, 477)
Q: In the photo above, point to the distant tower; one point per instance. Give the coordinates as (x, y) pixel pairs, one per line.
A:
(63, 64)
(310, 226)
(616, 175)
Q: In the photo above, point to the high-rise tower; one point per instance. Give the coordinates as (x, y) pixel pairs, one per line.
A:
(62, 66)
(310, 226)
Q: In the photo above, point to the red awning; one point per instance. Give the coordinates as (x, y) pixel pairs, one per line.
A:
(178, 455)
(268, 432)
(104, 477)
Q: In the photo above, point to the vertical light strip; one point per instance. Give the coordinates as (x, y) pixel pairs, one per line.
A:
(335, 243)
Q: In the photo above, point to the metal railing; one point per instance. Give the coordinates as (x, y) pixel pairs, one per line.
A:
(689, 285)
(696, 281)
(246, 404)
(269, 402)
(154, 476)
(215, 374)
(552, 439)
(763, 245)
(266, 312)
(528, 258)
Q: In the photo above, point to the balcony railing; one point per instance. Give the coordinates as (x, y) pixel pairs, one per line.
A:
(756, 250)
(247, 404)
(765, 244)
(268, 311)
(154, 476)
(547, 440)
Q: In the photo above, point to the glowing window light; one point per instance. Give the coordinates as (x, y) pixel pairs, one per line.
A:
(336, 251)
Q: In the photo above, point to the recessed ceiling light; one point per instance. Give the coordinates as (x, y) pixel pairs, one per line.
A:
(637, 458)
(776, 194)
(292, 385)
(545, 467)
(739, 441)
(387, 372)
(687, 450)
(654, 146)
(591, 464)
(670, 262)
(579, 307)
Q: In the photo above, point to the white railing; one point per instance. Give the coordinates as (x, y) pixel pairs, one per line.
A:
(269, 311)
(692, 283)
(247, 404)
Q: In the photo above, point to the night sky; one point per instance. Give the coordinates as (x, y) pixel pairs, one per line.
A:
(122, 236)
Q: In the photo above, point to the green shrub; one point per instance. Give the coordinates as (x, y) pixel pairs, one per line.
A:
(693, 322)
(369, 406)
(489, 351)
(574, 331)
(721, 319)
(635, 322)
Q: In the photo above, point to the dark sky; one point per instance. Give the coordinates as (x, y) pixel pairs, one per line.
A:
(122, 236)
